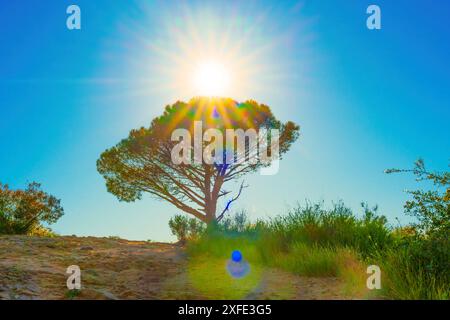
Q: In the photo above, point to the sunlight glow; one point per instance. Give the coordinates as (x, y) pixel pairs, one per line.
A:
(202, 54)
(211, 79)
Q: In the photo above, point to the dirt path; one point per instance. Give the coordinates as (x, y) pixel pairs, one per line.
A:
(34, 268)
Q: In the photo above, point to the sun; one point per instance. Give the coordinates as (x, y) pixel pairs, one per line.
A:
(201, 54)
(211, 78)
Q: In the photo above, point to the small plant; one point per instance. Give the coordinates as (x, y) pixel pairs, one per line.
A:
(72, 294)
(239, 222)
(41, 231)
(114, 238)
(185, 228)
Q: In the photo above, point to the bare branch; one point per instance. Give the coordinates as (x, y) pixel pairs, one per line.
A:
(227, 207)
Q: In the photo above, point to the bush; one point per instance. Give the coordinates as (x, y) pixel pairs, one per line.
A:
(239, 222)
(416, 270)
(336, 227)
(309, 241)
(430, 208)
(417, 266)
(40, 231)
(185, 228)
(301, 243)
(314, 241)
(23, 211)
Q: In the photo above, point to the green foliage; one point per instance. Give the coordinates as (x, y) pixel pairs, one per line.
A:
(311, 224)
(220, 245)
(237, 223)
(23, 211)
(185, 228)
(314, 241)
(234, 225)
(208, 275)
(431, 207)
(114, 238)
(414, 273)
(336, 227)
(310, 241)
(418, 264)
(309, 260)
(72, 294)
(41, 231)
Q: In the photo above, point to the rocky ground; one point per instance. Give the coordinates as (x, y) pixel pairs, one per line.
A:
(35, 268)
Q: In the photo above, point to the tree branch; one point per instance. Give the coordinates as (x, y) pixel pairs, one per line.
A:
(227, 207)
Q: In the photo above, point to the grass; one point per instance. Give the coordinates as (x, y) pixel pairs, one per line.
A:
(313, 241)
(407, 278)
(72, 294)
(309, 260)
(210, 277)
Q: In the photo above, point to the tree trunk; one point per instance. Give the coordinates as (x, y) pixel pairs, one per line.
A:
(211, 211)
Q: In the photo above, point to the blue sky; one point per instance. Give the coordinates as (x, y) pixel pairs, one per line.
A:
(365, 100)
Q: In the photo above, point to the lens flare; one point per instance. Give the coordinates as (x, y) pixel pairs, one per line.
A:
(236, 256)
(237, 267)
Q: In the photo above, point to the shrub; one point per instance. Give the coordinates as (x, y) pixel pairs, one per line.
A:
(336, 227)
(314, 241)
(410, 272)
(431, 208)
(239, 222)
(22, 211)
(310, 240)
(185, 228)
(41, 231)
(417, 266)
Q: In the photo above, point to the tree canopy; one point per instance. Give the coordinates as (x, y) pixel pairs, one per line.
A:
(143, 162)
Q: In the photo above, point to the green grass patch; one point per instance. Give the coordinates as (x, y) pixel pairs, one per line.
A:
(208, 275)
(318, 242)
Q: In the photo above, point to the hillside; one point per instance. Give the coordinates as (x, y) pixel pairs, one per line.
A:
(34, 268)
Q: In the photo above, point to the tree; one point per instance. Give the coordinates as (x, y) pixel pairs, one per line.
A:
(428, 246)
(144, 163)
(432, 207)
(24, 210)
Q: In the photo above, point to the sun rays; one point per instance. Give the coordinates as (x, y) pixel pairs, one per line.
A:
(236, 52)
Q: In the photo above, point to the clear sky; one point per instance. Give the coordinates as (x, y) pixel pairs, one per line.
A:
(365, 100)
